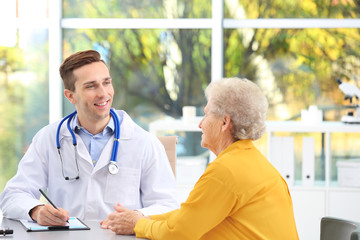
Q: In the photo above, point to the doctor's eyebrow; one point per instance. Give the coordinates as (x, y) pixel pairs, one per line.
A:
(108, 79)
(95, 82)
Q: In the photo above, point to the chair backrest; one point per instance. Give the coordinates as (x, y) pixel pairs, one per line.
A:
(338, 229)
(169, 143)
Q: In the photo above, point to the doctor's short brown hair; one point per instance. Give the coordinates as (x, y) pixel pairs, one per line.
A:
(75, 61)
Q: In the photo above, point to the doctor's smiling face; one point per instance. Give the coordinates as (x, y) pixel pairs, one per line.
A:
(92, 96)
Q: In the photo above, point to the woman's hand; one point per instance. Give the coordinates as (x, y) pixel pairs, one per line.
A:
(122, 220)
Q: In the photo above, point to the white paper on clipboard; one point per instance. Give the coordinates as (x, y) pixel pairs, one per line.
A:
(74, 224)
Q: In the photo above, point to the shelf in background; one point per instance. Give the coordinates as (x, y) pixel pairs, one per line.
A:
(298, 126)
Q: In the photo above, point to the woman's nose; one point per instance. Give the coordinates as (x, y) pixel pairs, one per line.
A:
(201, 123)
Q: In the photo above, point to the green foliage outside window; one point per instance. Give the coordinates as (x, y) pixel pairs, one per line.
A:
(296, 67)
(137, 9)
(241, 9)
(24, 97)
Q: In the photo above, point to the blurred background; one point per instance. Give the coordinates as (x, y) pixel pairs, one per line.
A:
(163, 53)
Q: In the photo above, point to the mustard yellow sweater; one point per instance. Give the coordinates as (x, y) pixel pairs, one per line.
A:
(239, 196)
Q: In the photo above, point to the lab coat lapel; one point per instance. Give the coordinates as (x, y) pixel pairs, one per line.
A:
(105, 155)
(126, 132)
(82, 150)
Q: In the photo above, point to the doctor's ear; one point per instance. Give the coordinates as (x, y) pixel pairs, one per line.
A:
(69, 95)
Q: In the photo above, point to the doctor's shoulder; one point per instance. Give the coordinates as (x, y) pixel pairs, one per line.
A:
(135, 135)
(145, 136)
(47, 134)
(131, 130)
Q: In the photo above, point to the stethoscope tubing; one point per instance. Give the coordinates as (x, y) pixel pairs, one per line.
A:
(117, 124)
(70, 116)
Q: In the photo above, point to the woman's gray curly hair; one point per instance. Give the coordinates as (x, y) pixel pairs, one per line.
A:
(243, 101)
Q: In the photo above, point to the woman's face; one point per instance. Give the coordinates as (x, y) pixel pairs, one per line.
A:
(211, 128)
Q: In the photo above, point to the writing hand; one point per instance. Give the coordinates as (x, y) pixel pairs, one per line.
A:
(47, 215)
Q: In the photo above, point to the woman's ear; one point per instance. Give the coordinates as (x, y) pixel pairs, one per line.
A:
(226, 123)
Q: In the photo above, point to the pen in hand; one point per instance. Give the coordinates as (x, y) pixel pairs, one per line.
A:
(47, 198)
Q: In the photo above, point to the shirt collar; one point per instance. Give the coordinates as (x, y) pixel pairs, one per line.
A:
(110, 127)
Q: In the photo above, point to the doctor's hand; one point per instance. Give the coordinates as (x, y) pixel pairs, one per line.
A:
(47, 215)
(122, 221)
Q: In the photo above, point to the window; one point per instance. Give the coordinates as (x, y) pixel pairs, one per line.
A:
(295, 67)
(242, 9)
(23, 80)
(162, 54)
(137, 9)
(155, 71)
(295, 51)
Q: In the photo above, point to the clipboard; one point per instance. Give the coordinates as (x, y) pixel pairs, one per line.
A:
(74, 224)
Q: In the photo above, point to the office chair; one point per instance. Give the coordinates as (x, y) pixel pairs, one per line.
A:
(169, 143)
(339, 229)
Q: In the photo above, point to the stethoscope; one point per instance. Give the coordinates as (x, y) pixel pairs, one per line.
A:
(113, 167)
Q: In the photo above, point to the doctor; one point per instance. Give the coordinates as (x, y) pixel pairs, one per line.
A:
(93, 160)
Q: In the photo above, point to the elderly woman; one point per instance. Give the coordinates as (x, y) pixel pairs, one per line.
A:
(240, 195)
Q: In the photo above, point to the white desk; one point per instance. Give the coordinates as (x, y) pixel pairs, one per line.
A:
(95, 233)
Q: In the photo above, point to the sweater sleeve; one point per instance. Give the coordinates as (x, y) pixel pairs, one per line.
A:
(163, 216)
(209, 203)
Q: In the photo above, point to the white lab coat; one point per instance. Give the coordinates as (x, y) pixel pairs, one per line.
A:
(145, 180)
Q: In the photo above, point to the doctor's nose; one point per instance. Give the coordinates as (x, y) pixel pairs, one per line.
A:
(101, 91)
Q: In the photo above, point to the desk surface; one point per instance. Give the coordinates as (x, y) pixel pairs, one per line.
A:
(95, 232)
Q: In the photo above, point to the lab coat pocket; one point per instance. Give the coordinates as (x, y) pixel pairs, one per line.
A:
(123, 187)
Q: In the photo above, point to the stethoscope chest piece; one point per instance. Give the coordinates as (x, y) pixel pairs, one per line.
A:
(113, 168)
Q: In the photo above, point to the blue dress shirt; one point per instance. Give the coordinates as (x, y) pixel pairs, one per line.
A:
(94, 143)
